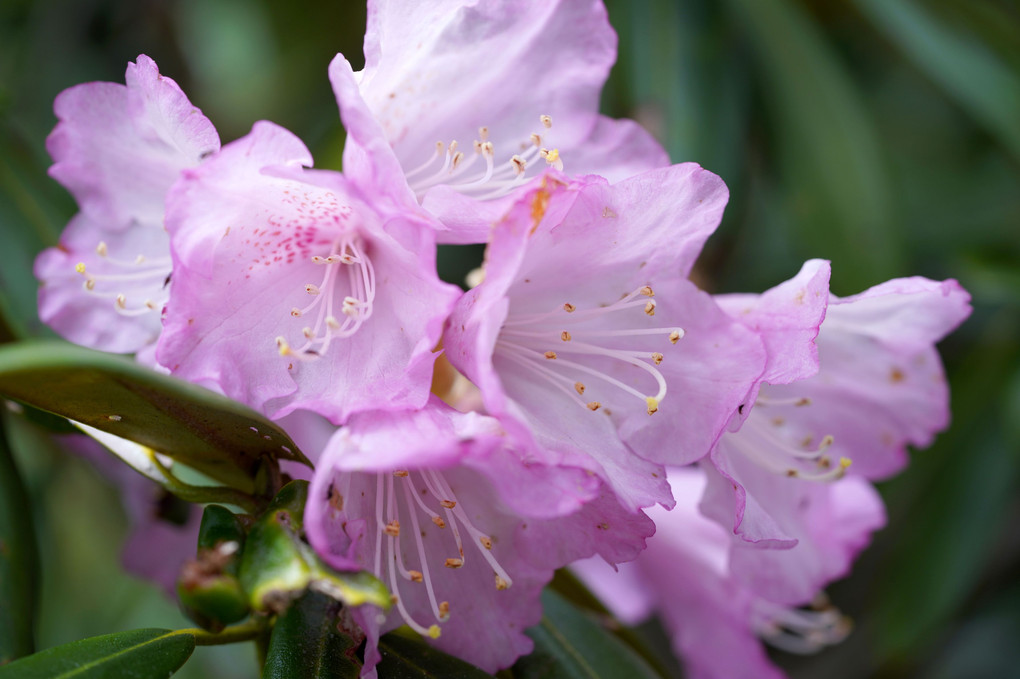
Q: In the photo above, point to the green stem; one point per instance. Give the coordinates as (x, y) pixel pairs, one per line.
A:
(204, 494)
(229, 635)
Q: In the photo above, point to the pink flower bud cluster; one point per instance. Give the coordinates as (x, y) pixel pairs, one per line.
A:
(582, 395)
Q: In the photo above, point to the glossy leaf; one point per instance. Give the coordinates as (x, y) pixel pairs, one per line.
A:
(572, 645)
(195, 426)
(306, 642)
(19, 561)
(277, 566)
(138, 654)
(404, 657)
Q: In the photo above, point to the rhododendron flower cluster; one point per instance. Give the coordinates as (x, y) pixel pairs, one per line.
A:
(589, 395)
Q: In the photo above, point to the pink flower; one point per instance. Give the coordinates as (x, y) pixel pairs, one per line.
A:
(117, 149)
(464, 531)
(715, 616)
(587, 336)
(880, 387)
(293, 290)
(462, 103)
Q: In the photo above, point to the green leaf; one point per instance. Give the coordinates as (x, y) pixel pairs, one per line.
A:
(19, 561)
(572, 645)
(404, 657)
(195, 426)
(33, 209)
(277, 565)
(306, 642)
(138, 654)
(957, 505)
(838, 191)
(961, 65)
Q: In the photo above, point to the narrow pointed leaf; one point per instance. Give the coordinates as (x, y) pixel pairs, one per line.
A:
(964, 68)
(572, 645)
(19, 561)
(195, 426)
(838, 190)
(306, 642)
(407, 658)
(138, 654)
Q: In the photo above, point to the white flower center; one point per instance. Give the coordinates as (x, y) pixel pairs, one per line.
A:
(568, 346)
(341, 301)
(406, 497)
(477, 173)
(770, 440)
(798, 630)
(124, 281)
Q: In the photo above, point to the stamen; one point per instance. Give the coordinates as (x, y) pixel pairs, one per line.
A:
(495, 179)
(346, 267)
(588, 339)
(135, 277)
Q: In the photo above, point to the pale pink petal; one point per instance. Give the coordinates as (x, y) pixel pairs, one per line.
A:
(258, 229)
(117, 149)
(377, 502)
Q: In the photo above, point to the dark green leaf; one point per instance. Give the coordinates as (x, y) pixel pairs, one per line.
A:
(306, 642)
(964, 67)
(19, 561)
(572, 645)
(31, 214)
(219, 524)
(840, 200)
(960, 507)
(201, 429)
(138, 654)
(404, 657)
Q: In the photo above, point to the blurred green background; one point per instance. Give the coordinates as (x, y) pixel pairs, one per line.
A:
(881, 134)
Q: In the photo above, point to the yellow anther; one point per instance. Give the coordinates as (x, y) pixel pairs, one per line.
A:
(647, 291)
(657, 357)
(550, 355)
(439, 521)
(282, 345)
(80, 267)
(579, 387)
(416, 576)
(434, 632)
(675, 336)
(486, 541)
(594, 405)
(449, 504)
(401, 473)
(569, 308)
(653, 404)
(392, 528)
(650, 309)
(565, 336)
(444, 610)
(454, 563)
(501, 584)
